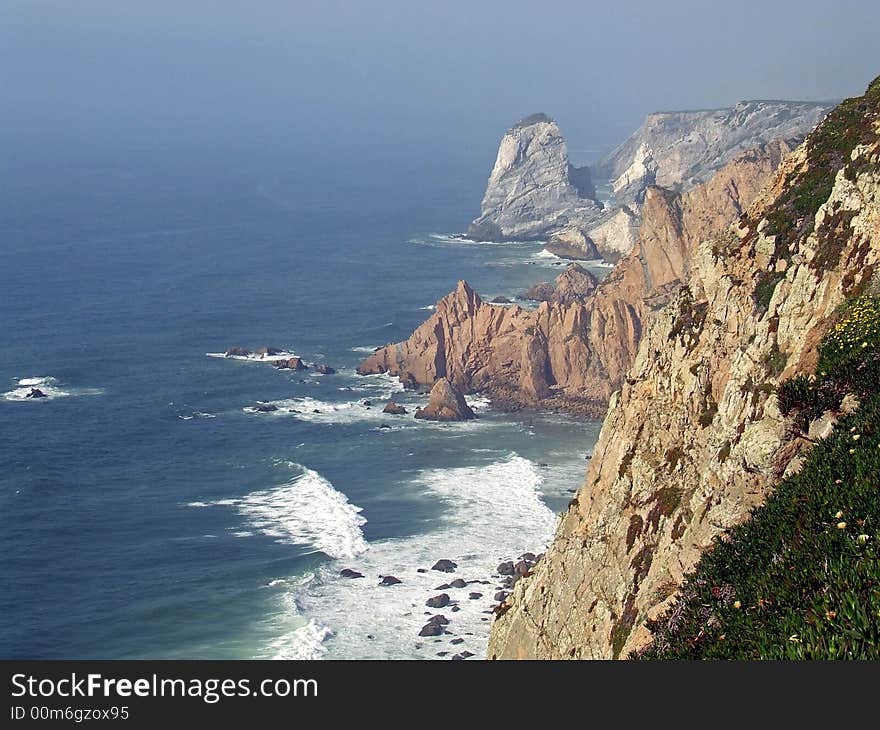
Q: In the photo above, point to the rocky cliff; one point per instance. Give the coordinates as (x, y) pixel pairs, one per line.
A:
(695, 437)
(575, 349)
(533, 189)
(677, 150)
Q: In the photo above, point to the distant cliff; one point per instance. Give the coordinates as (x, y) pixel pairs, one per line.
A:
(695, 438)
(574, 350)
(533, 189)
(534, 192)
(677, 150)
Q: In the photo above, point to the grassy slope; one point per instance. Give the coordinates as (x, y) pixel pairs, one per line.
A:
(801, 578)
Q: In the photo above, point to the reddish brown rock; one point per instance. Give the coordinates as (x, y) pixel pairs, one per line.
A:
(446, 403)
(573, 352)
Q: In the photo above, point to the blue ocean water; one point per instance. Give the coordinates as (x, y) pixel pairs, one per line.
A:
(147, 512)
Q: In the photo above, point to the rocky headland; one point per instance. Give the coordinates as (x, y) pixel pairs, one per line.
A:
(534, 193)
(698, 434)
(574, 350)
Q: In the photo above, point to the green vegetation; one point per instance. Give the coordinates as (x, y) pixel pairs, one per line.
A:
(828, 148)
(766, 286)
(801, 578)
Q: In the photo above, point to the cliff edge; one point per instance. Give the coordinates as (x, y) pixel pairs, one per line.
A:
(695, 437)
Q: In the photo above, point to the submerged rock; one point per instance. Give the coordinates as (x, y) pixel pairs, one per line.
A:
(36, 393)
(266, 407)
(325, 369)
(349, 573)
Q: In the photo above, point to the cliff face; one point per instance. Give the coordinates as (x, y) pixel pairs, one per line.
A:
(575, 349)
(694, 438)
(677, 150)
(533, 189)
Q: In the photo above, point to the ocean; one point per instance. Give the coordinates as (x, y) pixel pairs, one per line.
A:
(147, 510)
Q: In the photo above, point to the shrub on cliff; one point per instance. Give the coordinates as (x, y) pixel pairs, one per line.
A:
(801, 578)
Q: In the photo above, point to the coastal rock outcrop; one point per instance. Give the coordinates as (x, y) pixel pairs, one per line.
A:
(533, 189)
(446, 403)
(695, 437)
(677, 150)
(573, 351)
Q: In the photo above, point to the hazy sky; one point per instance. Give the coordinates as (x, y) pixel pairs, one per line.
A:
(347, 76)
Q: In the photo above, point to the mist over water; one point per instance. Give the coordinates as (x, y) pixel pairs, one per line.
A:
(147, 509)
(180, 179)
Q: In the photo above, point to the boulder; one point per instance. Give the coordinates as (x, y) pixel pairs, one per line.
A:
(501, 300)
(475, 595)
(458, 583)
(394, 409)
(389, 580)
(445, 566)
(438, 601)
(505, 568)
(446, 403)
(349, 573)
(325, 369)
(430, 629)
(266, 407)
(36, 393)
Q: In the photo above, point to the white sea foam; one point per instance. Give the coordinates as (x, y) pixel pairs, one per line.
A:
(428, 308)
(253, 357)
(47, 385)
(304, 643)
(491, 513)
(307, 510)
(366, 348)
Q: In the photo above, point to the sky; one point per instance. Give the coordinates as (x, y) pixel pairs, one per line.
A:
(386, 77)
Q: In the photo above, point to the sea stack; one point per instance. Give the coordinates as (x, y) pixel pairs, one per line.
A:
(533, 189)
(446, 403)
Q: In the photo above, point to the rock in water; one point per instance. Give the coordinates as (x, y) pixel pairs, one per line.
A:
(390, 580)
(237, 352)
(438, 601)
(325, 369)
(349, 573)
(293, 363)
(533, 189)
(266, 407)
(572, 243)
(268, 351)
(394, 409)
(446, 403)
(36, 393)
(445, 566)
